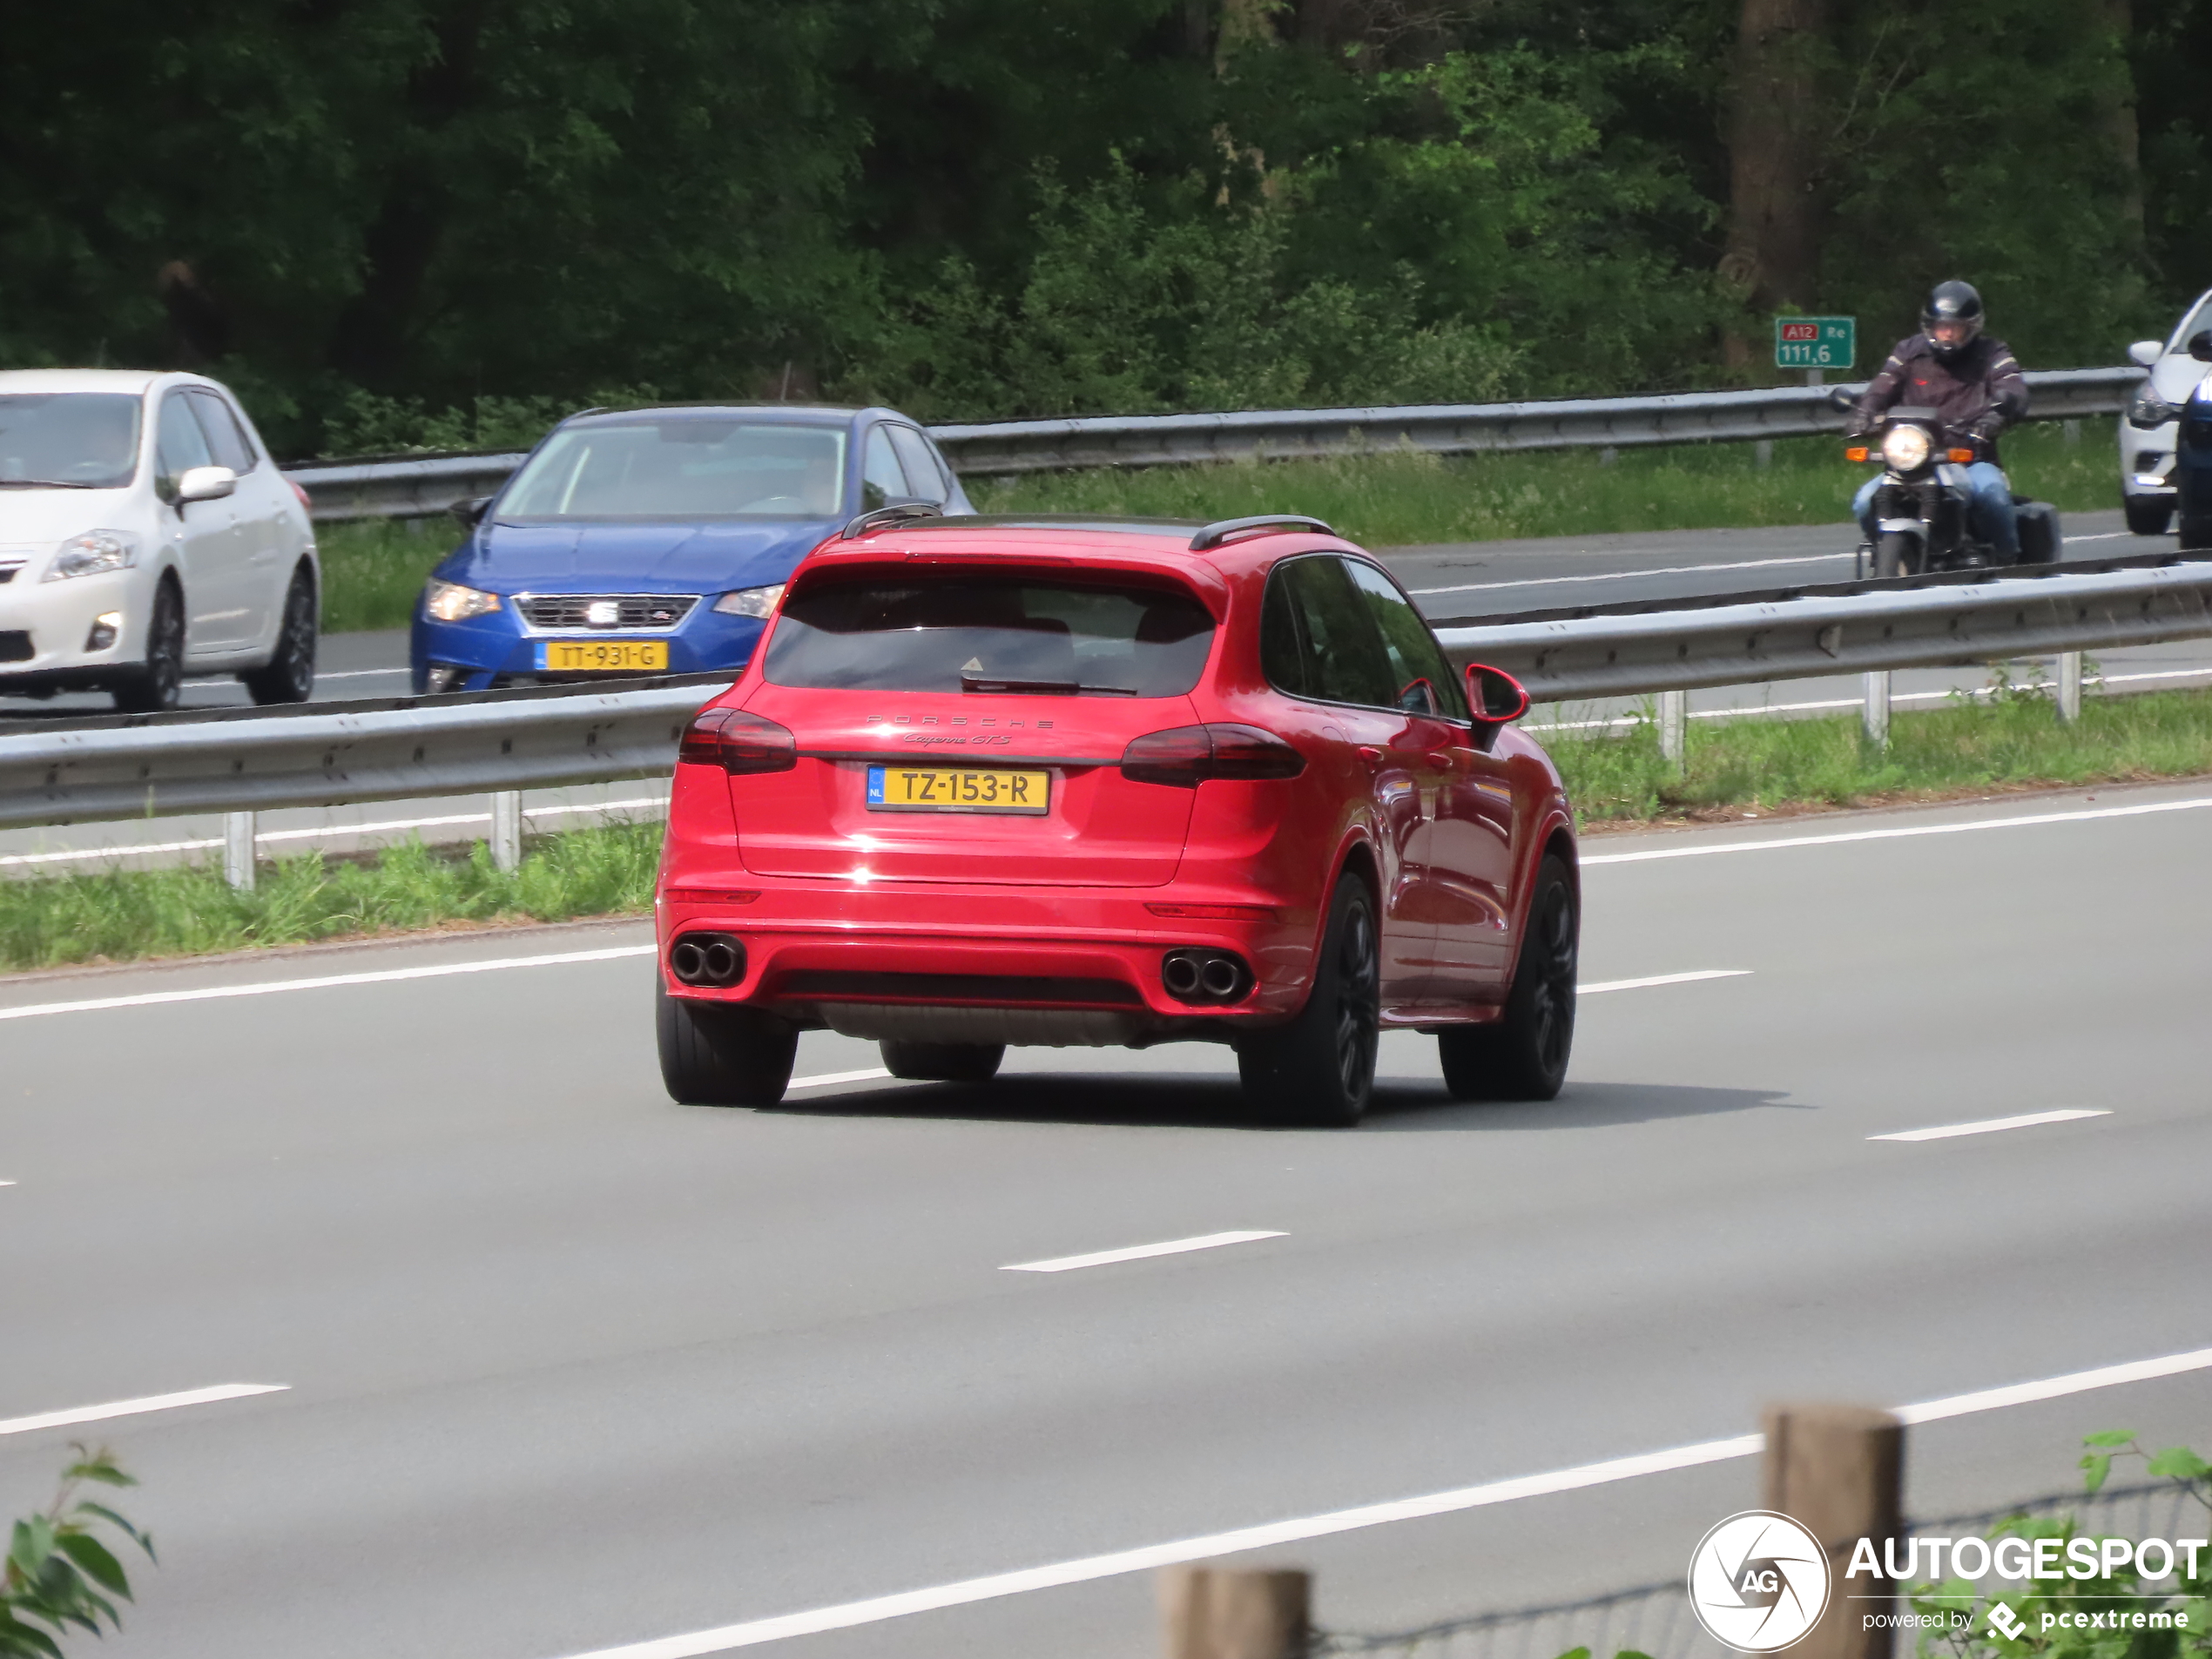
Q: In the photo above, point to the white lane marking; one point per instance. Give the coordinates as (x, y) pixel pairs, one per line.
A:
(827, 1077)
(875, 1609)
(368, 673)
(1991, 1125)
(268, 987)
(1624, 576)
(2082, 817)
(6, 1183)
(134, 1407)
(1660, 978)
(1753, 710)
(329, 832)
(1136, 1252)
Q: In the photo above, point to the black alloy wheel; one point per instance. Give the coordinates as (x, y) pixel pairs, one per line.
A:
(714, 1055)
(290, 675)
(1524, 1054)
(1318, 1071)
(155, 685)
(942, 1062)
(1896, 553)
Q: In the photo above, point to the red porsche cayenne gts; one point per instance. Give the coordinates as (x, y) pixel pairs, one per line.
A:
(1070, 782)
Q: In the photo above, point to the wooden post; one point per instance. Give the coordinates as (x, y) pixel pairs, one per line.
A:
(1230, 1612)
(1838, 1471)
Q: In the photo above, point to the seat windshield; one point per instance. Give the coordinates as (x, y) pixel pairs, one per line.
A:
(689, 469)
(991, 635)
(68, 440)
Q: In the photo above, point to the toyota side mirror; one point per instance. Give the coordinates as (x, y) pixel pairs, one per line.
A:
(1496, 698)
(2145, 353)
(204, 483)
(471, 511)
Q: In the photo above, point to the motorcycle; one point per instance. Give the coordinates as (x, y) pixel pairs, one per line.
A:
(1923, 507)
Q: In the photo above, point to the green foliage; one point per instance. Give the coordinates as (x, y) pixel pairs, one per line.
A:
(374, 568)
(1619, 776)
(117, 916)
(59, 1576)
(2122, 1591)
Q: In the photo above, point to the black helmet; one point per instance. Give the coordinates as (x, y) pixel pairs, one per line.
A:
(1952, 302)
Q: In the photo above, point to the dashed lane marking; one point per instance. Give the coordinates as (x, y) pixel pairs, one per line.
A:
(1991, 1125)
(137, 1407)
(1136, 1252)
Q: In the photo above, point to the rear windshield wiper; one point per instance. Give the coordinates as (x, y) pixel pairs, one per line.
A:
(1041, 688)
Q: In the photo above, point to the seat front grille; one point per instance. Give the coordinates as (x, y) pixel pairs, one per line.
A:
(612, 611)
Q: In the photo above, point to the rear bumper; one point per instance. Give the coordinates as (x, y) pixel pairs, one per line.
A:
(1058, 966)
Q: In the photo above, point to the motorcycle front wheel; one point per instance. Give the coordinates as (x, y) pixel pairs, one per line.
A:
(1896, 553)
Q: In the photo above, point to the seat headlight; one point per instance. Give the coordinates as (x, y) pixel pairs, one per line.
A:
(450, 602)
(749, 601)
(93, 552)
(1905, 448)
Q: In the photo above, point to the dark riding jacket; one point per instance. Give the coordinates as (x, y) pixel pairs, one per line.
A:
(1977, 394)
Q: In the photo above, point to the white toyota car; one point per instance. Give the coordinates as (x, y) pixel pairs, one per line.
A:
(146, 535)
(2147, 451)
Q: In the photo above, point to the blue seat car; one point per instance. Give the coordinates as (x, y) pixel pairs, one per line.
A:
(656, 541)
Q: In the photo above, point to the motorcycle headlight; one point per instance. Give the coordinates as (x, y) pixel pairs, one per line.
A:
(2149, 409)
(450, 602)
(92, 553)
(1905, 448)
(749, 601)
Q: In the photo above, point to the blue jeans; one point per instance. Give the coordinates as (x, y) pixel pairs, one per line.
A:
(1990, 511)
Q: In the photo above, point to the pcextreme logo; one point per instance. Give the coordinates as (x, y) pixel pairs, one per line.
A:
(1758, 1581)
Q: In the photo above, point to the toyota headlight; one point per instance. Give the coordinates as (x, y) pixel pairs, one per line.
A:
(450, 602)
(2148, 410)
(92, 553)
(1905, 448)
(749, 601)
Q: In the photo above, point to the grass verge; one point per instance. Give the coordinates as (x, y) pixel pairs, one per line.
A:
(374, 568)
(2010, 740)
(117, 916)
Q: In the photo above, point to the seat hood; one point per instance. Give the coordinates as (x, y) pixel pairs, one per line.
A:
(626, 558)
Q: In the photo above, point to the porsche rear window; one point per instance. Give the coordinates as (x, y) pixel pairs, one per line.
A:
(986, 634)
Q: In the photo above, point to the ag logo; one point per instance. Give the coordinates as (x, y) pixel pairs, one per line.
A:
(1758, 1581)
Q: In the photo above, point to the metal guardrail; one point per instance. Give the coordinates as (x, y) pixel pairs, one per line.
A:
(1678, 649)
(421, 487)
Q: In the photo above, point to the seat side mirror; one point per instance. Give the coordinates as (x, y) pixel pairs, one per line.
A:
(204, 483)
(470, 511)
(2145, 353)
(1495, 697)
(2201, 346)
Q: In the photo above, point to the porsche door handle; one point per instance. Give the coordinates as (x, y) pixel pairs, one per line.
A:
(1371, 755)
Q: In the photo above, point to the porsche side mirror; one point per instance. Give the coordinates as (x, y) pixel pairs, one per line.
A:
(1496, 698)
(2145, 353)
(204, 483)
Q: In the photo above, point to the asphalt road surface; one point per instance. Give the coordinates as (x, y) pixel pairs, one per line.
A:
(566, 1368)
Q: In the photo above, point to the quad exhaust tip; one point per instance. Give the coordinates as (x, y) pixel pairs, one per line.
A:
(707, 959)
(1199, 975)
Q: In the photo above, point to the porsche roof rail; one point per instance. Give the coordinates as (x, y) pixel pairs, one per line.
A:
(895, 512)
(1215, 535)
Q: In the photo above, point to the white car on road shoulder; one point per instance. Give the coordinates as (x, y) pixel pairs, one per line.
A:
(146, 535)
(2147, 452)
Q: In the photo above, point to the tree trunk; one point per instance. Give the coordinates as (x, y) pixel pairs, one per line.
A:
(2119, 123)
(1776, 137)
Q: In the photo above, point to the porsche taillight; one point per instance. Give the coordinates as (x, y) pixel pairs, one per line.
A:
(737, 742)
(1189, 755)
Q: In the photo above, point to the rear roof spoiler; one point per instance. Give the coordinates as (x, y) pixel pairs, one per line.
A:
(891, 513)
(1215, 535)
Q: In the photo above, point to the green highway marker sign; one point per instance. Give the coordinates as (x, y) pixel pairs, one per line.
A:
(1816, 342)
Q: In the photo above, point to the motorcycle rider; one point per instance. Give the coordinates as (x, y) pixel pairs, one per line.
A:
(1975, 386)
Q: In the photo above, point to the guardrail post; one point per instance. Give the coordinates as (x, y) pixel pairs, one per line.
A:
(237, 849)
(507, 829)
(1838, 1471)
(1673, 727)
(1226, 1613)
(1762, 454)
(2069, 686)
(1875, 717)
(2073, 432)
